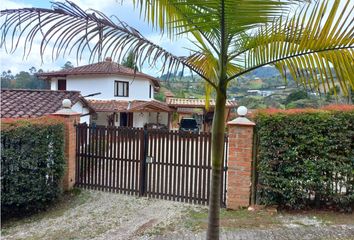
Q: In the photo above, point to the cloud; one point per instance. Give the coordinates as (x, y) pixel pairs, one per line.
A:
(124, 12)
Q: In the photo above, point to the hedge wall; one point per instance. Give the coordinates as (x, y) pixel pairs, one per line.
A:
(306, 159)
(32, 165)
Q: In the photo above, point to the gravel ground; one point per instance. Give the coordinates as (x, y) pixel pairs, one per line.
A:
(298, 233)
(114, 216)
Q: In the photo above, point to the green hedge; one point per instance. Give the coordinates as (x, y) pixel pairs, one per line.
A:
(32, 165)
(306, 159)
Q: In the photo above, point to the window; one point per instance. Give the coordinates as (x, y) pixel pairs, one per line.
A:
(150, 92)
(121, 89)
(62, 84)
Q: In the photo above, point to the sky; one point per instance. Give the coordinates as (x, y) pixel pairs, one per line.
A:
(123, 9)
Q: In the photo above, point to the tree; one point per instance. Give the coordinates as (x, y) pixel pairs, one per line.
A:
(23, 80)
(232, 38)
(33, 70)
(67, 65)
(130, 61)
(296, 95)
(6, 79)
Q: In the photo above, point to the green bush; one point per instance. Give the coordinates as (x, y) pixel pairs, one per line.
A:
(32, 165)
(306, 103)
(296, 95)
(306, 159)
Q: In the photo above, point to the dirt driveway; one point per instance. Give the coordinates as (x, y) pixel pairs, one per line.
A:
(99, 215)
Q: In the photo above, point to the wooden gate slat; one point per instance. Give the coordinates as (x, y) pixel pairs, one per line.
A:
(179, 169)
(194, 193)
(162, 167)
(115, 185)
(209, 166)
(175, 179)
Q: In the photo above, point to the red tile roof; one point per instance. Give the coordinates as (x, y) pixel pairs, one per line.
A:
(190, 111)
(128, 106)
(106, 67)
(25, 103)
(196, 103)
(168, 93)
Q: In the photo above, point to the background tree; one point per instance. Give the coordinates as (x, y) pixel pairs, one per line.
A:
(67, 65)
(6, 79)
(296, 95)
(23, 80)
(231, 38)
(130, 61)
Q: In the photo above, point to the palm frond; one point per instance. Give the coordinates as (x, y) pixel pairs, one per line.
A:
(315, 46)
(67, 28)
(177, 16)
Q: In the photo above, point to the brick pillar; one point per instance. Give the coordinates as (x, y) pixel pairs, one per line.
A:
(239, 163)
(69, 118)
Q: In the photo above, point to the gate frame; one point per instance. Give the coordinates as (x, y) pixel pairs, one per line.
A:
(83, 132)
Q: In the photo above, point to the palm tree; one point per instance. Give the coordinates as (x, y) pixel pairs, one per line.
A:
(311, 42)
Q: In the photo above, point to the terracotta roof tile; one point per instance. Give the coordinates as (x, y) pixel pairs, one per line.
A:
(198, 103)
(23, 103)
(126, 106)
(106, 67)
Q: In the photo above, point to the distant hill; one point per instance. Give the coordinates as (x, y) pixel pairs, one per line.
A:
(183, 85)
(263, 72)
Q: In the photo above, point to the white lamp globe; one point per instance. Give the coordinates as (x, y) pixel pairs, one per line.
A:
(242, 111)
(66, 103)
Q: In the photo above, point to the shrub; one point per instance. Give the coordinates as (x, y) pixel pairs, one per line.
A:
(32, 164)
(305, 103)
(295, 96)
(306, 158)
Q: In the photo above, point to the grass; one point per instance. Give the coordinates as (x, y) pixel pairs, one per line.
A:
(262, 219)
(327, 217)
(159, 230)
(198, 220)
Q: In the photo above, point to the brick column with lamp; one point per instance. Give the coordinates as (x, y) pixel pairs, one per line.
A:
(69, 118)
(239, 160)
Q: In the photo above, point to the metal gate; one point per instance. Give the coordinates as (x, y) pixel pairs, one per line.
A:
(161, 164)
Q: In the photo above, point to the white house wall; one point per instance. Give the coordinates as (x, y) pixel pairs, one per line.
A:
(54, 84)
(101, 118)
(139, 89)
(140, 119)
(161, 118)
(79, 108)
(164, 118)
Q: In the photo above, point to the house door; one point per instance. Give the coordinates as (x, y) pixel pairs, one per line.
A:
(126, 119)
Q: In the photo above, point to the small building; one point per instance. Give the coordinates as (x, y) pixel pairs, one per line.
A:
(28, 103)
(119, 96)
(196, 108)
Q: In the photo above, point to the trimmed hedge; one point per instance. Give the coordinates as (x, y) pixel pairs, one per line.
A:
(306, 158)
(32, 165)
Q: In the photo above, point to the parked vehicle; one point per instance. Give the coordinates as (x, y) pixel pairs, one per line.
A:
(189, 125)
(155, 126)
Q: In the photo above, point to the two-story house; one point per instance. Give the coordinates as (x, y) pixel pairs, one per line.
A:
(119, 95)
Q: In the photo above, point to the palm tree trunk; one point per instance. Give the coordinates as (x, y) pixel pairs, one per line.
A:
(217, 150)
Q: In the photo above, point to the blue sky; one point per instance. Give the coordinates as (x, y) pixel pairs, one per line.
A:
(122, 9)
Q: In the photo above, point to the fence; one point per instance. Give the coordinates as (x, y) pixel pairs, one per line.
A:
(162, 164)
